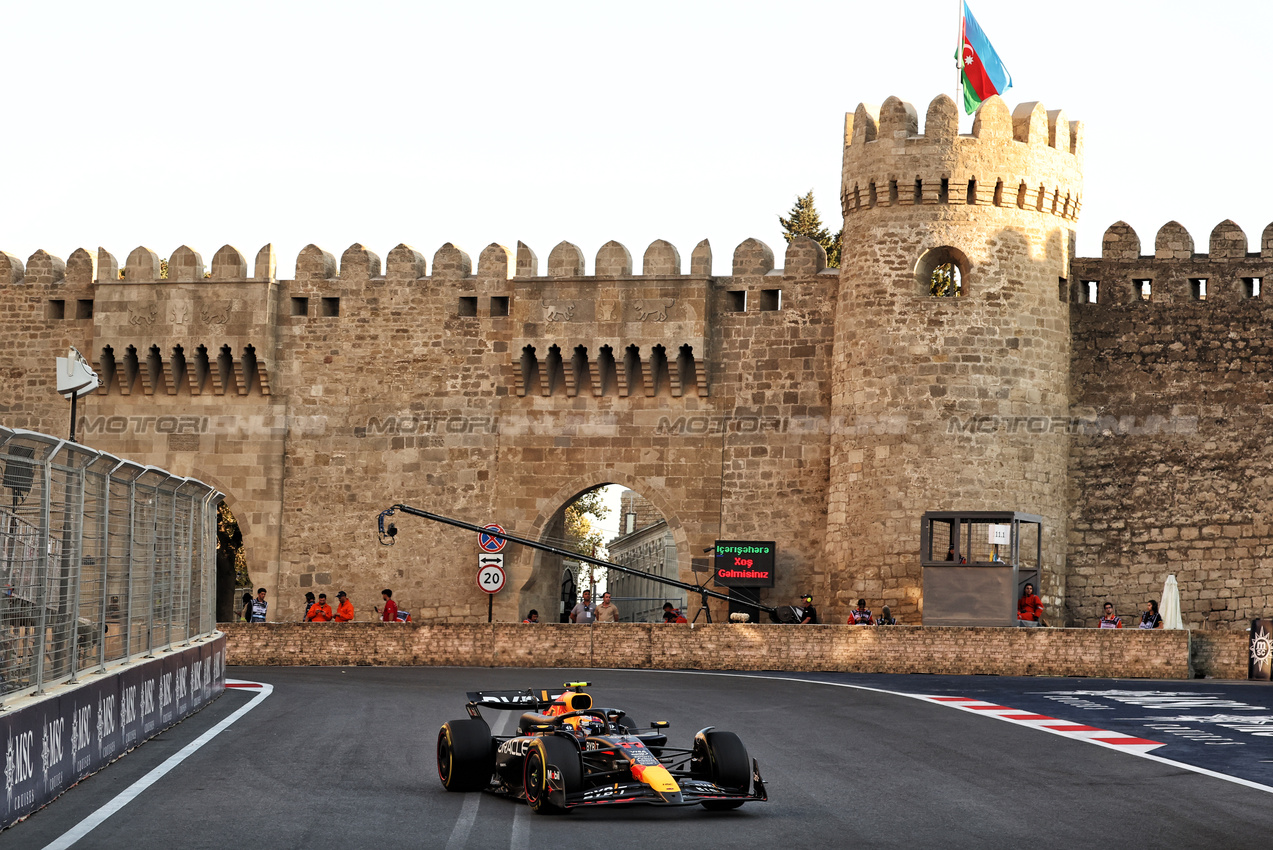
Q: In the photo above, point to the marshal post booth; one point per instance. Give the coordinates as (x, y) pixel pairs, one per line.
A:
(975, 565)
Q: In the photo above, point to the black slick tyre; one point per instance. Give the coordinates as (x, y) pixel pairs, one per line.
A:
(559, 753)
(721, 758)
(466, 758)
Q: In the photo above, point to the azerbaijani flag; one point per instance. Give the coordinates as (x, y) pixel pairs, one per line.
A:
(980, 69)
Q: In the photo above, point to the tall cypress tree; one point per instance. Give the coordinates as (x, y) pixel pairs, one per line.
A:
(803, 220)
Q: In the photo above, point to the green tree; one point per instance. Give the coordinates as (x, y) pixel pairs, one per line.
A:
(232, 564)
(945, 281)
(803, 220)
(584, 534)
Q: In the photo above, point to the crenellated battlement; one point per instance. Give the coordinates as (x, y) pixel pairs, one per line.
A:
(1175, 272)
(359, 264)
(1030, 159)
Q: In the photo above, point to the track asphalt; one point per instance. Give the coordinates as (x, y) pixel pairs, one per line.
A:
(344, 758)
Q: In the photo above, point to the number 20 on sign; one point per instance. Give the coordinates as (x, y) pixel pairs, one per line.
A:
(490, 576)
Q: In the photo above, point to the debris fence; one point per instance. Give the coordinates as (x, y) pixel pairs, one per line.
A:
(101, 560)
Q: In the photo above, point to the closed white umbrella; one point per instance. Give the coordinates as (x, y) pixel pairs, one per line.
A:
(1169, 608)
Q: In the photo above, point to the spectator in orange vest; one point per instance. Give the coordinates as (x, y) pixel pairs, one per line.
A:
(344, 609)
(320, 611)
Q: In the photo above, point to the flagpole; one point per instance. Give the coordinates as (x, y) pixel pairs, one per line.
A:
(959, 57)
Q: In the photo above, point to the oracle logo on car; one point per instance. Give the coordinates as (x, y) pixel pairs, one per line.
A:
(744, 563)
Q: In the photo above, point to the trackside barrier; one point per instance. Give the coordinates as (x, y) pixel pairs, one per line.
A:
(943, 650)
(50, 744)
(101, 560)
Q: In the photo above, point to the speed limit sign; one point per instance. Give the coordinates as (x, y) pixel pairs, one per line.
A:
(490, 573)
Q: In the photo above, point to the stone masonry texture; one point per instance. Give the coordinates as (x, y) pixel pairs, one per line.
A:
(1124, 398)
(901, 649)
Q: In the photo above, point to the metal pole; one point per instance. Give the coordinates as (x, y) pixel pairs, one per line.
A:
(490, 607)
(543, 547)
(42, 591)
(127, 611)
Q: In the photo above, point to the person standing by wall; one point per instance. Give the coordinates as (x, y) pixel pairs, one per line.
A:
(309, 603)
(607, 611)
(390, 612)
(584, 612)
(809, 615)
(258, 607)
(320, 611)
(861, 615)
(1029, 607)
(1111, 620)
(532, 617)
(1150, 619)
(344, 609)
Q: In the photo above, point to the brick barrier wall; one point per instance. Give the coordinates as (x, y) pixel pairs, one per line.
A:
(1128, 653)
(1220, 655)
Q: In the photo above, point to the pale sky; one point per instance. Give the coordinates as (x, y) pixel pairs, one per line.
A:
(163, 123)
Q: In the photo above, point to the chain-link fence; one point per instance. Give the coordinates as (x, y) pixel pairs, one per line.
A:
(101, 560)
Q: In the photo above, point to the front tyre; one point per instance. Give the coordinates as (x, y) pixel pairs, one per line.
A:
(545, 752)
(721, 758)
(466, 758)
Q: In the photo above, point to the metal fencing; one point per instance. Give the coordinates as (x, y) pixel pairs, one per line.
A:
(101, 560)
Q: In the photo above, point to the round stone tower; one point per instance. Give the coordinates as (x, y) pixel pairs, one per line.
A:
(950, 401)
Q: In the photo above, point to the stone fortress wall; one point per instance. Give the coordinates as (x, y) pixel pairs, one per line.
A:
(823, 409)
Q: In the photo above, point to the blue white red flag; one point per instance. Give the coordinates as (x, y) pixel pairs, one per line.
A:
(981, 71)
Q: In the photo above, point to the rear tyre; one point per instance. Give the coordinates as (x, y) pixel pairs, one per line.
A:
(466, 757)
(721, 758)
(559, 753)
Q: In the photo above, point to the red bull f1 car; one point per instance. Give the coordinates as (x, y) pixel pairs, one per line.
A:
(568, 754)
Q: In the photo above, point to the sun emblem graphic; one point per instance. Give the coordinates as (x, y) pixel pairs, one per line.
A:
(9, 770)
(1261, 649)
(44, 753)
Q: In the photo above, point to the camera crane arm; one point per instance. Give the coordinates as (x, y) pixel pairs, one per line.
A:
(387, 535)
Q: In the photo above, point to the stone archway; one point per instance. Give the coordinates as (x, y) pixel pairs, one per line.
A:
(541, 580)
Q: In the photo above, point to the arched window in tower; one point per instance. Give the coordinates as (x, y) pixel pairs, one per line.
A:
(942, 272)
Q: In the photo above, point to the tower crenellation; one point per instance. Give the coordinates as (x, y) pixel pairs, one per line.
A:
(1031, 158)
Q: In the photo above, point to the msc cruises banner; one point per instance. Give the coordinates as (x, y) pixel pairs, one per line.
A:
(52, 744)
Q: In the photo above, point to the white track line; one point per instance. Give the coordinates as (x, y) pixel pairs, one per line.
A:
(468, 812)
(1095, 736)
(131, 793)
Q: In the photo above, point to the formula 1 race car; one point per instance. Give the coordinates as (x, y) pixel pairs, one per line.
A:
(568, 753)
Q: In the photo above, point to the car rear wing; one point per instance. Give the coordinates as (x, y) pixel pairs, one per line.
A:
(524, 700)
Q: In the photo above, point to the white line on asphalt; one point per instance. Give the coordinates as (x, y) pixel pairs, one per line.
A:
(468, 812)
(1237, 780)
(131, 793)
